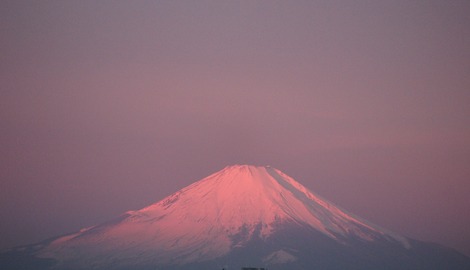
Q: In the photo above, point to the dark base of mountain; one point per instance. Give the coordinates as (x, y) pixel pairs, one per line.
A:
(312, 250)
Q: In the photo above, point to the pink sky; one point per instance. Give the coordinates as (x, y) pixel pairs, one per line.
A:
(107, 107)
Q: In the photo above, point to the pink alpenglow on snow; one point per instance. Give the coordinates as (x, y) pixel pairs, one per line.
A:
(240, 216)
(199, 222)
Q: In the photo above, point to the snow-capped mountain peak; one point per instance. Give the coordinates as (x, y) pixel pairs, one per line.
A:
(211, 217)
(241, 216)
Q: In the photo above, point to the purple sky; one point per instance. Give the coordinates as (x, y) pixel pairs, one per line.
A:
(110, 106)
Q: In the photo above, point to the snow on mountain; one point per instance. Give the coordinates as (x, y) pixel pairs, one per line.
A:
(240, 216)
(197, 223)
(278, 257)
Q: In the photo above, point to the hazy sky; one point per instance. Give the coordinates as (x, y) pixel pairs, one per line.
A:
(108, 106)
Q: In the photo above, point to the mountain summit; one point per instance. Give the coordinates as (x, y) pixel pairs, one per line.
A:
(240, 216)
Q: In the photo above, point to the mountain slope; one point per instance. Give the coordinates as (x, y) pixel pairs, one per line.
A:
(241, 216)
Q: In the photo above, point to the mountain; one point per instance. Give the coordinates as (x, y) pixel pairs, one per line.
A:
(241, 216)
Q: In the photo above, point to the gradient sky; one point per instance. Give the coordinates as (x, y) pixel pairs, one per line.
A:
(108, 106)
